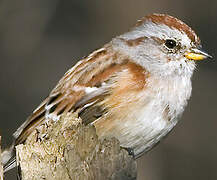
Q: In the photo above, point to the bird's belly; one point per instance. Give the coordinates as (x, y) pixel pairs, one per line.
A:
(139, 129)
(148, 128)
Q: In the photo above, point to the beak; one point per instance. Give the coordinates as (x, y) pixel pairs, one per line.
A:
(197, 54)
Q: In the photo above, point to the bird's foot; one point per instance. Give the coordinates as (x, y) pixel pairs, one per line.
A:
(130, 151)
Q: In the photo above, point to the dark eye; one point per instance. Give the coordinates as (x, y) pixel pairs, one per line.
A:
(170, 43)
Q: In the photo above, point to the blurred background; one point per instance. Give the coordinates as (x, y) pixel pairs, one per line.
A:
(41, 39)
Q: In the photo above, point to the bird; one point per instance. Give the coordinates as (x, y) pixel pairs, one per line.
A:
(135, 88)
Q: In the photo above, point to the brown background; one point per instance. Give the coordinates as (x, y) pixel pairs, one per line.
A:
(41, 39)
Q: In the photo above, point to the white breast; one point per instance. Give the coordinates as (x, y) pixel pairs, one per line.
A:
(156, 113)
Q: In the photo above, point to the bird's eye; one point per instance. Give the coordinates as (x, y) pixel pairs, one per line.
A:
(170, 43)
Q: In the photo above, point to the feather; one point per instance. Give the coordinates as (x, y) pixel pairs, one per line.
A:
(75, 90)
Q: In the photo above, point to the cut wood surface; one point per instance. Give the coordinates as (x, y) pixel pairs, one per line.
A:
(68, 150)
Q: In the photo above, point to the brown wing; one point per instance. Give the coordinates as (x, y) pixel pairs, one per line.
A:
(85, 83)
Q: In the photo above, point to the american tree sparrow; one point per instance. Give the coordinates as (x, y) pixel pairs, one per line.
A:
(135, 88)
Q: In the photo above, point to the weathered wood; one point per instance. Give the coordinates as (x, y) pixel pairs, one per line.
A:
(71, 151)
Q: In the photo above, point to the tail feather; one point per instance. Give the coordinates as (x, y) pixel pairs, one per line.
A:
(10, 164)
(8, 155)
(8, 158)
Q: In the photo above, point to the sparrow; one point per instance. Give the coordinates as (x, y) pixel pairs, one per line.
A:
(135, 88)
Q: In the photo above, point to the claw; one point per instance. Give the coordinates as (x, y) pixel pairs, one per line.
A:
(130, 151)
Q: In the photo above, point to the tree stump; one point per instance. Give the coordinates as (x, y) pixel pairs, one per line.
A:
(71, 151)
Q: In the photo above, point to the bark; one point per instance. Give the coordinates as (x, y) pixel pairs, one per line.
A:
(70, 150)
